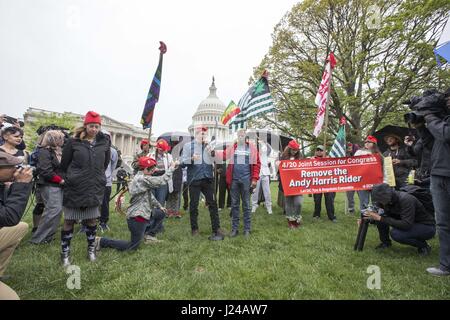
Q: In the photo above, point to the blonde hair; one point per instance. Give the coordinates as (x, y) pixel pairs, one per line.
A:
(52, 139)
(80, 132)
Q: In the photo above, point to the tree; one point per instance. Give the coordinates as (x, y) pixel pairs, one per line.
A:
(384, 52)
(44, 119)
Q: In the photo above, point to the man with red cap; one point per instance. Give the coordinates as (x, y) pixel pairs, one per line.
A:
(143, 208)
(242, 176)
(370, 147)
(145, 151)
(197, 156)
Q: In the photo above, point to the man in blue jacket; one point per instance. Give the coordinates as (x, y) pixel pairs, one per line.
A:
(198, 158)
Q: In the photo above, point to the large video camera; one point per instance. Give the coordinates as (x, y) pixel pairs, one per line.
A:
(12, 120)
(432, 101)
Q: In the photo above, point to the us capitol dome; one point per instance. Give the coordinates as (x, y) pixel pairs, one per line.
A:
(208, 114)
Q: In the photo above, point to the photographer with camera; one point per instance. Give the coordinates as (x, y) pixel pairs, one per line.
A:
(411, 223)
(15, 189)
(434, 108)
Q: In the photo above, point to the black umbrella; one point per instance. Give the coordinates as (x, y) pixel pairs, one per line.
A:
(400, 132)
(176, 137)
(277, 141)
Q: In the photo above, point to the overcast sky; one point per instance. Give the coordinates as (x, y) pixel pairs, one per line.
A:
(101, 55)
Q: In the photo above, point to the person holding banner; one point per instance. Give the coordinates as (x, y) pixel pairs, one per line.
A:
(329, 196)
(370, 147)
(293, 204)
(402, 162)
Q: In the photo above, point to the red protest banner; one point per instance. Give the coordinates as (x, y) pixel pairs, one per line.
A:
(318, 175)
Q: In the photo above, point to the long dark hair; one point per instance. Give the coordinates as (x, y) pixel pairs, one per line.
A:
(286, 155)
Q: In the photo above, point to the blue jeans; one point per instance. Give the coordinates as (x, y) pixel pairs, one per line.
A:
(240, 190)
(364, 199)
(440, 189)
(161, 194)
(137, 230)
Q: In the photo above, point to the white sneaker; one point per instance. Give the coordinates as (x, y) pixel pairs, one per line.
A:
(150, 240)
(254, 209)
(269, 211)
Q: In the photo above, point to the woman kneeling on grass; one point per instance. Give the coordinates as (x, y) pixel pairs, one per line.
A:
(143, 207)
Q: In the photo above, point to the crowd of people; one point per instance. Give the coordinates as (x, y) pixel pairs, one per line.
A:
(73, 177)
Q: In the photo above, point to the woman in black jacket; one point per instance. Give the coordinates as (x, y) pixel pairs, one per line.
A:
(50, 181)
(84, 160)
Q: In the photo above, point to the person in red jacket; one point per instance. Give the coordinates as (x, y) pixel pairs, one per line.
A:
(242, 176)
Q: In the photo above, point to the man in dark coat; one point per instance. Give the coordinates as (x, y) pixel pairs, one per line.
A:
(411, 223)
(13, 201)
(402, 161)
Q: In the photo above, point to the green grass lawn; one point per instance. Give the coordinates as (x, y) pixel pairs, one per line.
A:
(316, 261)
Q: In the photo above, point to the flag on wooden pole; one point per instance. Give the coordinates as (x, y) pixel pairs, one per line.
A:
(153, 93)
(323, 94)
(338, 150)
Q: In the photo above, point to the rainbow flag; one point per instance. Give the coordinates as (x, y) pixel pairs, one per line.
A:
(230, 112)
(153, 93)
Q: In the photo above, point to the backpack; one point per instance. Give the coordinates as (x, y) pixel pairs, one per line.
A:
(421, 194)
(34, 157)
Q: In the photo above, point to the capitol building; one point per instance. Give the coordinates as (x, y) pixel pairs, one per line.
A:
(208, 114)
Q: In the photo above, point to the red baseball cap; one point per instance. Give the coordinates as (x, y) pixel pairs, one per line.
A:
(92, 117)
(294, 145)
(144, 141)
(146, 162)
(163, 145)
(371, 139)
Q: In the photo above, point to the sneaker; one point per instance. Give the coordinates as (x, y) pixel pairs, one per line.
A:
(97, 244)
(246, 234)
(65, 259)
(351, 211)
(195, 232)
(383, 246)
(216, 236)
(425, 251)
(103, 227)
(151, 240)
(437, 271)
(269, 211)
(177, 215)
(254, 209)
(316, 217)
(234, 233)
(334, 220)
